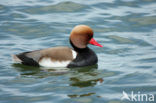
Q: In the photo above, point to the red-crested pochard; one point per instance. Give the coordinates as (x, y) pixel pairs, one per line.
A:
(79, 56)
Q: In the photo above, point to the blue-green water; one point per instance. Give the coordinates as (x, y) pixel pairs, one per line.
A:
(127, 62)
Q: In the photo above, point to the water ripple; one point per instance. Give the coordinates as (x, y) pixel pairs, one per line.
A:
(126, 29)
(60, 7)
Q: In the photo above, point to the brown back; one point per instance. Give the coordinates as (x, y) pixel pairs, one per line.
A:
(57, 53)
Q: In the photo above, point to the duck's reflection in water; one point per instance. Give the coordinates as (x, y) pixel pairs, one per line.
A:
(81, 77)
(75, 77)
(86, 76)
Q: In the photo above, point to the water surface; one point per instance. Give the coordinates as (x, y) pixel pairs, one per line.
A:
(127, 62)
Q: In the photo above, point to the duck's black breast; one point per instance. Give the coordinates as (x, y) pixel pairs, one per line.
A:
(85, 57)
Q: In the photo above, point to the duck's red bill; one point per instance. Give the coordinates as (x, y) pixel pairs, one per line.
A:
(93, 42)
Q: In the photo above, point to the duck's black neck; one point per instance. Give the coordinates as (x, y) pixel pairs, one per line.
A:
(85, 57)
(79, 50)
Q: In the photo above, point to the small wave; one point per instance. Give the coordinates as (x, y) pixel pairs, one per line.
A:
(60, 7)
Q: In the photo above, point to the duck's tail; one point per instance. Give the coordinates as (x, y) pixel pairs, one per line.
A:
(16, 59)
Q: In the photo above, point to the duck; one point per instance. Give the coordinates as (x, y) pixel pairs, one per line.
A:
(78, 56)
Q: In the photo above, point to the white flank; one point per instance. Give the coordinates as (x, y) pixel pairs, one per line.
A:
(74, 54)
(46, 62)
